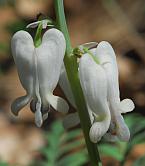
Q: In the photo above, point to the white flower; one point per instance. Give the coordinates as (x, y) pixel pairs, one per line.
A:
(39, 69)
(106, 56)
(101, 90)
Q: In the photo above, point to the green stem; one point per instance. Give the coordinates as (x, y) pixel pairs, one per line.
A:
(37, 39)
(72, 72)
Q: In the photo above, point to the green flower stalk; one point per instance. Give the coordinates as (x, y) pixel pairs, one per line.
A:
(71, 65)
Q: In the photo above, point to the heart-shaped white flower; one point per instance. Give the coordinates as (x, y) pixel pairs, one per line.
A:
(39, 69)
(100, 84)
(105, 53)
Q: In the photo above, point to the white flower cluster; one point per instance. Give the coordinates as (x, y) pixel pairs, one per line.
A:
(41, 68)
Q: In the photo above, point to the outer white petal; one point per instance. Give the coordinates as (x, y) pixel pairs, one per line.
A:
(22, 50)
(72, 119)
(94, 85)
(99, 128)
(50, 58)
(111, 134)
(65, 86)
(118, 128)
(107, 58)
(126, 105)
(106, 54)
(121, 130)
(19, 103)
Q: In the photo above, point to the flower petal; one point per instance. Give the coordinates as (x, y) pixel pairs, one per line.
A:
(65, 86)
(50, 56)
(107, 58)
(19, 103)
(21, 42)
(123, 132)
(126, 105)
(71, 120)
(57, 103)
(99, 128)
(44, 110)
(22, 51)
(94, 84)
(106, 54)
(111, 134)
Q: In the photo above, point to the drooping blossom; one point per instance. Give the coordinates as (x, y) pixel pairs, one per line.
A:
(39, 69)
(98, 73)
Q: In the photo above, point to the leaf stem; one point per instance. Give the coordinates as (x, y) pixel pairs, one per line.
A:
(72, 73)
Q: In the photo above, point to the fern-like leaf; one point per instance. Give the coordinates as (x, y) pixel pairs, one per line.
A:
(63, 148)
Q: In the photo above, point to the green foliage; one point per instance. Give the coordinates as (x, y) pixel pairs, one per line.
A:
(121, 150)
(111, 150)
(140, 161)
(16, 26)
(3, 47)
(68, 148)
(63, 148)
(3, 163)
(136, 124)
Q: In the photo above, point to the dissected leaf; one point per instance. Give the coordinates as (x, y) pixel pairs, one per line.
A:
(73, 159)
(63, 148)
(72, 145)
(135, 122)
(110, 150)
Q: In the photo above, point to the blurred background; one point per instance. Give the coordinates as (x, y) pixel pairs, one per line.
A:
(122, 23)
